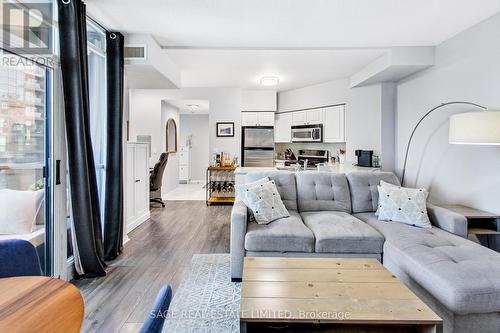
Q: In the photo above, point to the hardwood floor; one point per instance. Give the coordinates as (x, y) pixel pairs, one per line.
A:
(158, 252)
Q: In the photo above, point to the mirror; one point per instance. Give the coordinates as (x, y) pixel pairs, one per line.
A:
(171, 144)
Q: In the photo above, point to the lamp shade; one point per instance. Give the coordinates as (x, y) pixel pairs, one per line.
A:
(475, 128)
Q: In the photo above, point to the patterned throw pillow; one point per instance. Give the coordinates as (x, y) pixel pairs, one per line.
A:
(385, 184)
(239, 190)
(265, 202)
(405, 205)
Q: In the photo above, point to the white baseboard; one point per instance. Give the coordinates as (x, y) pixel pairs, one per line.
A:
(137, 222)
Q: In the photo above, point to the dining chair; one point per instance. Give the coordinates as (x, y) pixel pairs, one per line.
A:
(18, 257)
(157, 315)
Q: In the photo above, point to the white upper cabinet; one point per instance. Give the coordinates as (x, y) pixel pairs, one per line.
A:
(259, 100)
(314, 117)
(299, 118)
(334, 124)
(257, 119)
(307, 117)
(283, 128)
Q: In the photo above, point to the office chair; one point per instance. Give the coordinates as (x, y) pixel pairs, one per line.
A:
(157, 315)
(155, 180)
(18, 257)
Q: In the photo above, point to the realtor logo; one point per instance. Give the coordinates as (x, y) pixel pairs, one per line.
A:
(27, 27)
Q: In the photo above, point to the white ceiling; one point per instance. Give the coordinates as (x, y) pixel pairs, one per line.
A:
(237, 68)
(298, 23)
(183, 106)
(231, 43)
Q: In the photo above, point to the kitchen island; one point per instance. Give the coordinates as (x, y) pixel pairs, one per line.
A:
(241, 172)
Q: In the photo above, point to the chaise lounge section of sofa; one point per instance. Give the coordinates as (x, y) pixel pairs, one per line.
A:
(333, 215)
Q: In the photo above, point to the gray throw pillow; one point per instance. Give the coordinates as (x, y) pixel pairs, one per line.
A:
(265, 203)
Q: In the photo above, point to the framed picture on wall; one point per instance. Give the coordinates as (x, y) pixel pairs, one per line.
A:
(225, 129)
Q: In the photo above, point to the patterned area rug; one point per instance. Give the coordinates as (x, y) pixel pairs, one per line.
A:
(206, 300)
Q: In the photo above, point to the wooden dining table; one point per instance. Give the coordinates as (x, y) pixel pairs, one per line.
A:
(39, 304)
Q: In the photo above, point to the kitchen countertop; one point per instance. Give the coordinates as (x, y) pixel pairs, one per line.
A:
(336, 168)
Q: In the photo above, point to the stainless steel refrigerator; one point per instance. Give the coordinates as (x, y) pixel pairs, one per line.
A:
(257, 148)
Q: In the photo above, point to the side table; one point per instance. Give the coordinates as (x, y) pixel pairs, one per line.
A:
(482, 226)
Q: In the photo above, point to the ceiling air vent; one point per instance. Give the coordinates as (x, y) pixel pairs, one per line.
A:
(135, 52)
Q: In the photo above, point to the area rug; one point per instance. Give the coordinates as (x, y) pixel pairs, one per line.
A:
(206, 300)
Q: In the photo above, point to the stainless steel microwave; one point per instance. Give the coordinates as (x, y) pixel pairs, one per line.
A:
(307, 133)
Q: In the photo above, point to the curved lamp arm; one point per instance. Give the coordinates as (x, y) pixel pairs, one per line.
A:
(420, 121)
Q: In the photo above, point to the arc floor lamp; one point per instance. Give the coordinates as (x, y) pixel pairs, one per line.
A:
(470, 127)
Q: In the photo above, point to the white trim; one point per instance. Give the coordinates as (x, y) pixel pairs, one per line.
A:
(138, 221)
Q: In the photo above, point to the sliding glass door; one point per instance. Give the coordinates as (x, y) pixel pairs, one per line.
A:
(25, 140)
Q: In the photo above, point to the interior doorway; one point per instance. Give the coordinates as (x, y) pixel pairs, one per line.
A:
(193, 153)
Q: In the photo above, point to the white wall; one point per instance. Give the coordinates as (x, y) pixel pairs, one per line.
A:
(259, 100)
(171, 173)
(197, 126)
(328, 93)
(467, 68)
(364, 120)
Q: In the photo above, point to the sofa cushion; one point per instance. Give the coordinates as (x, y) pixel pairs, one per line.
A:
(339, 232)
(461, 274)
(322, 191)
(288, 234)
(363, 189)
(284, 181)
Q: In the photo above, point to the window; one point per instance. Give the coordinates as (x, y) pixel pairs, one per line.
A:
(23, 142)
(96, 48)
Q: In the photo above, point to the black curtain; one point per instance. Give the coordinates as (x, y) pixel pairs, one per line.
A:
(88, 248)
(113, 207)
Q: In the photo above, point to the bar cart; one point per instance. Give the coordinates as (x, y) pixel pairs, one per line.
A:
(219, 189)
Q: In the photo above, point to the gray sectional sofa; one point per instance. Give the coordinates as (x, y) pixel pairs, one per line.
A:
(332, 215)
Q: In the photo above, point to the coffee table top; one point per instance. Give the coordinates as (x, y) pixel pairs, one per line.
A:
(328, 290)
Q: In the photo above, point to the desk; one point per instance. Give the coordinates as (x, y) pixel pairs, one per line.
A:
(39, 304)
(483, 226)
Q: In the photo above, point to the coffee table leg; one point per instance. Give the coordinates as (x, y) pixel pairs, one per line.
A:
(243, 327)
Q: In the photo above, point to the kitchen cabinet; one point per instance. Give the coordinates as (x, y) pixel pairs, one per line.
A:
(257, 119)
(307, 117)
(184, 165)
(334, 124)
(136, 185)
(283, 128)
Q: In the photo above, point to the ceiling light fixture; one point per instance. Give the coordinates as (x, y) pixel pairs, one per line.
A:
(193, 106)
(269, 80)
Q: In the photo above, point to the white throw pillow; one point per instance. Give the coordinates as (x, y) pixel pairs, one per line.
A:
(385, 184)
(265, 203)
(238, 189)
(405, 205)
(18, 210)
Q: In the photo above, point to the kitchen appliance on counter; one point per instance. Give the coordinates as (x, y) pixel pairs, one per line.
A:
(257, 146)
(312, 156)
(367, 159)
(307, 133)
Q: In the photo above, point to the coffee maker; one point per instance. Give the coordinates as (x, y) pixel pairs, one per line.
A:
(365, 158)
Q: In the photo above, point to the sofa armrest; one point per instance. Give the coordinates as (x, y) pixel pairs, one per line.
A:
(239, 220)
(448, 220)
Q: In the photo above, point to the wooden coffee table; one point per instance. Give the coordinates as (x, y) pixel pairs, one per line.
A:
(328, 295)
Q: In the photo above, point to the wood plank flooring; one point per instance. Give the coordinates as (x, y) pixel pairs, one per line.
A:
(158, 252)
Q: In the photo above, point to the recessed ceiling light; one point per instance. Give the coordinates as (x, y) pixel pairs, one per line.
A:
(269, 80)
(193, 106)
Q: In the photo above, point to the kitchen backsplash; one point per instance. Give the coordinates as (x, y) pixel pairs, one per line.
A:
(333, 148)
